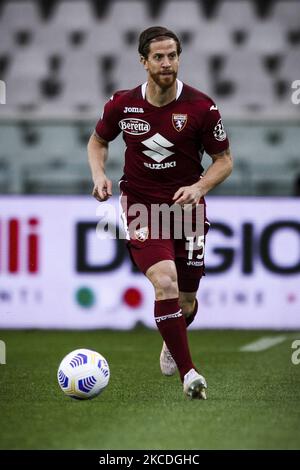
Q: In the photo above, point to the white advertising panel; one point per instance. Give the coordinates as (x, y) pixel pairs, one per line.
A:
(55, 272)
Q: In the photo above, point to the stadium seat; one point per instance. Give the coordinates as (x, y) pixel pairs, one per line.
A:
(181, 16)
(266, 38)
(31, 63)
(72, 15)
(194, 70)
(23, 76)
(130, 15)
(289, 69)
(214, 38)
(19, 16)
(252, 89)
(286, 12)
(69, 26)
(6, 42)
(235, 14)
(130, 80)
(102, 40)
(82, 83)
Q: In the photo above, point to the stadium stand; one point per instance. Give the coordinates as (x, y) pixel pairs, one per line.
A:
(62, 60)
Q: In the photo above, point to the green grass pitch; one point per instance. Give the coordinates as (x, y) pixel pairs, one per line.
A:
(253, 398)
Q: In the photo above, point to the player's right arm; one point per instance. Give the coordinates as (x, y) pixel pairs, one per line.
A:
(97, 155)
(106, 130)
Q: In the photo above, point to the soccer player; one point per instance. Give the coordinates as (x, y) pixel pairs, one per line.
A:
(166, 127)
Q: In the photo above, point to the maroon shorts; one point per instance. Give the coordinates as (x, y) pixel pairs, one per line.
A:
(187, 252)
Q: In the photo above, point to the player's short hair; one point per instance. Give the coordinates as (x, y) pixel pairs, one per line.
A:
(156, 33)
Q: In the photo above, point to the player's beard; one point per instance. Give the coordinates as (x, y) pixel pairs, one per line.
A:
(164, 82)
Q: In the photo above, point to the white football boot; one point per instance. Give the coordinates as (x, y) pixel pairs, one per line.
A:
(194, 385)
(167, 364)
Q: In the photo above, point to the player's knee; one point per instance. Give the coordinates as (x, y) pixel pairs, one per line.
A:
(165, 285)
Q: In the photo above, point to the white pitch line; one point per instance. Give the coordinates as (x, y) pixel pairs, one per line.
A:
(263, 343)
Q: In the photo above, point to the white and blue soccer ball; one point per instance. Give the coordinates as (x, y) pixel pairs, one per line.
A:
(83, 374)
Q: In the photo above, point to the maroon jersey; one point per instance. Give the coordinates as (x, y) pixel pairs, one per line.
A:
(164, 145)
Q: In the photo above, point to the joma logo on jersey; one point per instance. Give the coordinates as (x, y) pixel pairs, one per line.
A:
(134, 126)
(128, 109)
(179, 121)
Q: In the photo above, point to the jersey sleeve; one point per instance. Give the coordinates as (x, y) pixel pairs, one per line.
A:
(214, 137)
(107, 127)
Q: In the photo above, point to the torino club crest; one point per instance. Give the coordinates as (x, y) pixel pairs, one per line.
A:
(141, 234)
(179, 121)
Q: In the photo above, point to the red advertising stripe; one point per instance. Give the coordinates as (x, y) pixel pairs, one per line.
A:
(32, 253)
(13, 251)
(33, 247)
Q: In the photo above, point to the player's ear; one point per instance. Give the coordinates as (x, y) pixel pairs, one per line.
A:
(143, 61)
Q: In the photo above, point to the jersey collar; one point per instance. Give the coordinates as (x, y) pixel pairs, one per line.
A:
(178, 92)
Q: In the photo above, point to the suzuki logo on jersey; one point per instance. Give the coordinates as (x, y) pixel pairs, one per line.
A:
(134, 126)
(19, 247)
(128, 109)
(219, 131)
(179, 121)
(158, 146)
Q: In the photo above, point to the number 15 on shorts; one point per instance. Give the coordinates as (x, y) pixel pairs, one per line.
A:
(195, 244)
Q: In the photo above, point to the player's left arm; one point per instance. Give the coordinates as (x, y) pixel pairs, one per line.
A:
(216, 173)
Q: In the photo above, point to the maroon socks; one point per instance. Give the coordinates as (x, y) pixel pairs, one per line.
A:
(172, 327)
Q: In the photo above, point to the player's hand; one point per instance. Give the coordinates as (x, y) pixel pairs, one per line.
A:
(102, 189)
(188, 195)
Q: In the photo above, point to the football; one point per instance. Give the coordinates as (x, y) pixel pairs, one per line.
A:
(83, 374)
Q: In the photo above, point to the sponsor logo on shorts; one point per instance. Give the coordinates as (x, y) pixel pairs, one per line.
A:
(129, 109)
(194, 263)
(142, 234)
(134, 126)
(219, 131)
(179, 121)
